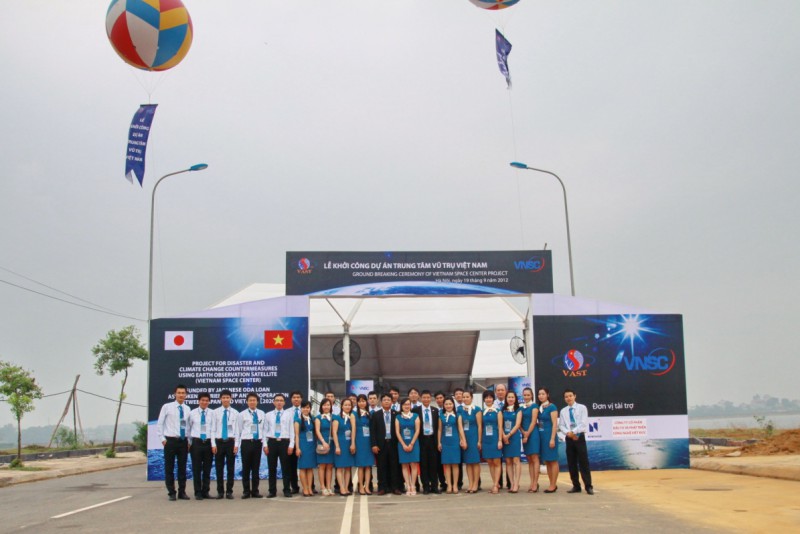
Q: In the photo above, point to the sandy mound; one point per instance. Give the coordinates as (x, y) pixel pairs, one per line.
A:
(787, 442)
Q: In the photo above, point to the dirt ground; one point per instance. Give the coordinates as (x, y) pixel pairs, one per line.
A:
(787, 442)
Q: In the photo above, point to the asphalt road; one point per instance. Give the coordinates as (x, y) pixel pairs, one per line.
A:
(127, 503)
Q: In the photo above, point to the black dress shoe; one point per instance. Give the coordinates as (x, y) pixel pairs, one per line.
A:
(206, 495)
(551, 490)
(397, 492)
(229, 495)
(295, 491)
(199, 497)
(245, 495)
(173, 498)
(426, 491)
(436, 491)
(256, 495)
(381, 492)
(590, 491)
(574, 489)
(220, 496)
(287, 494)
(183, 497)
(270, 495)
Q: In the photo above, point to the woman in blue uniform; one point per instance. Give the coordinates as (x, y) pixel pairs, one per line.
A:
(305, 448)
(406, 428)
(469, 426)
(364, 457)
(548, 445)
(530, 437)
(450, 442)
(344, 446)
(322, 427)
(492, 439)
(512, 442)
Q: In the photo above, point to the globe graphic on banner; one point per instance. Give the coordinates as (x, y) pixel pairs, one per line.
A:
(414, 288)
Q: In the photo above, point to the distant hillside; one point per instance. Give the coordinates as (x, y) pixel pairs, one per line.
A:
(761, 405)
(40, 435)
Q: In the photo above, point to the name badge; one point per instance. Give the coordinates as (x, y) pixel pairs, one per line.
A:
(406, 433)
(508, 426)
(365, 431)
(253, 428)
(230, 426)
(490, 430)
(465, 424)
(347, 435)
(573, 426)
(309, 436)
(448, 431)
(183, 424)
(541, 424)
(202, 429)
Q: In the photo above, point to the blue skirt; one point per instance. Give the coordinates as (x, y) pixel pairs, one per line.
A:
(545, 452)
(533, 446)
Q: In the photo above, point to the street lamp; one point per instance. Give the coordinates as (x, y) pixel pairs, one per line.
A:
(518, 165)
(198, 167)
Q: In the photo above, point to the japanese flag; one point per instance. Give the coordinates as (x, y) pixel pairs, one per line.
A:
(179, 340)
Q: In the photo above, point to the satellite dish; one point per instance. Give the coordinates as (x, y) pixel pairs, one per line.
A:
(338, 352)
(517, 347)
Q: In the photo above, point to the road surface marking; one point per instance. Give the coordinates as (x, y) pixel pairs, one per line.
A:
(90, 507)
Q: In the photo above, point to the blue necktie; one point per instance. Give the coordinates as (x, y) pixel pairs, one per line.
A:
(255, 422)
(180, 414)
(203, 424)
(225, 424)
(278, 425)
(572, 415)
(387, 421)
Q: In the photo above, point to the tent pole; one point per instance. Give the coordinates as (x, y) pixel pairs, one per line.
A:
(346, 347)
(529, 345)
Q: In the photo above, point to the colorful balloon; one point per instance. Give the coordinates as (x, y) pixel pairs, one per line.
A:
(494, 4)
(149, 34)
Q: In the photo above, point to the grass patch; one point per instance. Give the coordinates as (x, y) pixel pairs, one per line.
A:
(730, 433)
(27, 468)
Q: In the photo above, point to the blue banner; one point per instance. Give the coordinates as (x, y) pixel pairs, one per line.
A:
(137, 142)
(503, 49)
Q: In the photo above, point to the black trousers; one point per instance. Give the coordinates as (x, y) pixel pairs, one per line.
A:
(201, 465)
(578, 460)
(225, 458)
(175, 448)
(388, 466)
(295, 483)
(428, 462)
(251, 465)
(278, 449)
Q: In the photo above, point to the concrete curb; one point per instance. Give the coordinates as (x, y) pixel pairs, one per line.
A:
(10, 478)
(788, 470)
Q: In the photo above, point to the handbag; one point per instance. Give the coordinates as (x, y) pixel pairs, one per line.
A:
(324, 448)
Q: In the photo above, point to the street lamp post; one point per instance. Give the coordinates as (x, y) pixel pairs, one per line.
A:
(518, 165)
(198, 167)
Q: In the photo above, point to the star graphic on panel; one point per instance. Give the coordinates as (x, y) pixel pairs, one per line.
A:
(278, 340)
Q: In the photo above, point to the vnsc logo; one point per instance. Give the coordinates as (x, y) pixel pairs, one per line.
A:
(659, 362)
(304, 266)
(533, 264)
(594, 426)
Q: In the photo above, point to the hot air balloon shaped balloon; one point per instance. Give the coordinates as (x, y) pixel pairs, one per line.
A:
(152, 35)
(494, 4)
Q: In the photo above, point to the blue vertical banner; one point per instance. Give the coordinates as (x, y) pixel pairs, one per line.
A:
(503, 49)
(137, 142)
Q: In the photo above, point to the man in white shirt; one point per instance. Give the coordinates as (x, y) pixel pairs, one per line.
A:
(500, 391)
(413, 396)
(279, 435)
(250, 440)
(335, 409)
(223, 443)
(429, 455)
(395, 394)
(372, 402)
(573, 423)
(296, 398)
(200, 429)
(171, 431)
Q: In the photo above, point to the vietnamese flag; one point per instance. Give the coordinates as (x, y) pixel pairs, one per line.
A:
(278, 339)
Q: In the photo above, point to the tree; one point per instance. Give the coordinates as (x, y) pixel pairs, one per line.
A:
(116, 353)
(20, 390)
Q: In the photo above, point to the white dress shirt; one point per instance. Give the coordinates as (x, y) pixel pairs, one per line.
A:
(286, 430)
(581, 424)
(233, 424)
(169, 420)
(194, 428)
(246, 428)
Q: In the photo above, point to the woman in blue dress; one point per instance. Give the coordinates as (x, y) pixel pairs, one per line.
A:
(305, 448)
(469, 426)
(548, 446)
(512, 442)
(450, 442)
(364, 457)
(530, 437)
(406, 428)
(492, 439)
(344, 446)
(322, 427)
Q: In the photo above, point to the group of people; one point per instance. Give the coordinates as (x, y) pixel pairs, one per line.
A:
(422, 442)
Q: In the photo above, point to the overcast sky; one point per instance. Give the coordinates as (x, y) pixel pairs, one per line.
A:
(386, 125)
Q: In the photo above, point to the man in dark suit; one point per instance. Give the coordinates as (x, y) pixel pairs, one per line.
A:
(428, 444)
(384, 446)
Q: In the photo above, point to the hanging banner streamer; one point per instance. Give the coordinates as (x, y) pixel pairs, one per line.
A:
(137, 142)
(503, 49)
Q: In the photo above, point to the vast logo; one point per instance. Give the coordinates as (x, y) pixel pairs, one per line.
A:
(659, 362)
(533, 264)
(304, 266)
(574, 363)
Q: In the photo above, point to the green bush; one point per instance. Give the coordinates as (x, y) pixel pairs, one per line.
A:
(140, 438)
(110, 453)
(15, 463)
